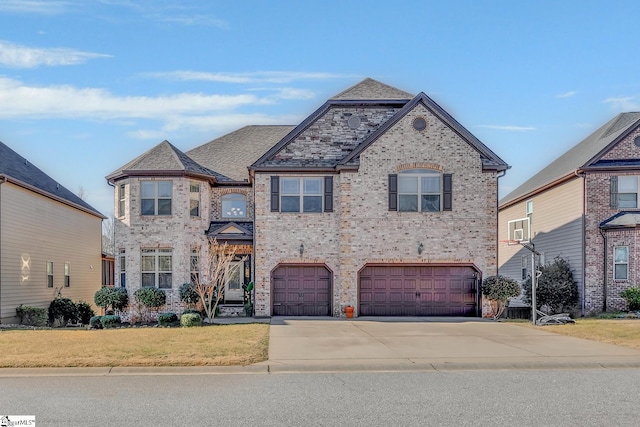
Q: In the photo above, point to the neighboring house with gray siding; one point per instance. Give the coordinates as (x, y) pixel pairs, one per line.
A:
(50, 239)
(379, 199)
(583, 208)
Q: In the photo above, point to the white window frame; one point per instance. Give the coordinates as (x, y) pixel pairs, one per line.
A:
(303, 193)
(628, 188)
(418, 175)
(617, 263)
(231, 211)
(194, 199)
(67, 274)
(194, 267)
(121, 199)
(159, 198)
(529, 209)
(123, 269)
(158, 269)
(49, 274)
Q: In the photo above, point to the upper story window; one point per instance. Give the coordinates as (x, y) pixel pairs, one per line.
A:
(156, 268)
(420, 190)
(194, 199)
(530, 211)
(121, 199)
(627, 191)
(234, 206)
(156, 197)
(302, 194)
(621, 263)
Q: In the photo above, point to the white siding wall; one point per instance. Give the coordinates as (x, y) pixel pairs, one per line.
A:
(557, 230)
(35, 229)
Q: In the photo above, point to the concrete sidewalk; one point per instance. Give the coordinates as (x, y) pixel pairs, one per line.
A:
(429, 344)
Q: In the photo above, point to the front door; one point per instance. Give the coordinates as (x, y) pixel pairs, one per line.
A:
(233, 291)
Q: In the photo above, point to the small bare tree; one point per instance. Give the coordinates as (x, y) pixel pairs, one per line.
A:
(214, 269)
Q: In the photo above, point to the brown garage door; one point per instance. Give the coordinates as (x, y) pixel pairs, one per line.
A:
(417, 291)
(301, 291)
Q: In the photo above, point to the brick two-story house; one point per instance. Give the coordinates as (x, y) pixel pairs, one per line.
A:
(584, 208)
(379, 200)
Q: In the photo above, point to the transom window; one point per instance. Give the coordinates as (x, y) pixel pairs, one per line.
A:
(621, 262)
(234, 206)
(156, 268)
(301, 194)
(627, 191)
(156, 197)
(419, 190)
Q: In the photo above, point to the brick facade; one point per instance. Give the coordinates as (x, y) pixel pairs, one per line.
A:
(362, 230)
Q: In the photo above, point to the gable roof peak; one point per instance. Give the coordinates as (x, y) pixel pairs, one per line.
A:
(372, 89)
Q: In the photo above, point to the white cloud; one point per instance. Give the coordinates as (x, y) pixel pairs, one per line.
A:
(567, 94)
(19, 100)
(169, 12)
(623, 103)
(48, 7)
(17, 56)
(253, 77)
(509, 128)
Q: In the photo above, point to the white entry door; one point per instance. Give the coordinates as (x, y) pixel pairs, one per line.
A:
(233, 291)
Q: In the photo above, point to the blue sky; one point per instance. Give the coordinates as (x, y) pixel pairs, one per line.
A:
(87, 85)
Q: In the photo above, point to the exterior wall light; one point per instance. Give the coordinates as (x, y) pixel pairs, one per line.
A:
(301, 250)
(420, 248)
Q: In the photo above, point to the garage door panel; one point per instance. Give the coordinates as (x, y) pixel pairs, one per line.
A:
(417, 291)
(301, 291)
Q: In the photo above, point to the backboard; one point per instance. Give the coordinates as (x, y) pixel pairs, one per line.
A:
(519, 231)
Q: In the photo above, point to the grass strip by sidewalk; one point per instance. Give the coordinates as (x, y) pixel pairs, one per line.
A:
(620, 332)
(219, 345)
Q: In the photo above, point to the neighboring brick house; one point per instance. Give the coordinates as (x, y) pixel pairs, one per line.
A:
(379, 200)
(584, 208)
(50, 239)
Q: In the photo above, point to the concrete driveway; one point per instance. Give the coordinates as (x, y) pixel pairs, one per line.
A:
(397, 344)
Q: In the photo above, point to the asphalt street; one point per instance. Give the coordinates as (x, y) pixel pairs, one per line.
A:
(584, 397)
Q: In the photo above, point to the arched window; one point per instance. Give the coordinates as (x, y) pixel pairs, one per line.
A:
(234, 206)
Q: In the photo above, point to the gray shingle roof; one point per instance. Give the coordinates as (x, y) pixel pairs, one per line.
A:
(165, 157)
(581, 155)
(372, 89)
(19, 170)
(232, 153)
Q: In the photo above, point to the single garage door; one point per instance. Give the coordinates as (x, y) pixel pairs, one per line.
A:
(417, 291)
(301, 291)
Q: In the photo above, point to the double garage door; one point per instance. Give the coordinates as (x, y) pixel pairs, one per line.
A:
(417, 291)
(388, 290)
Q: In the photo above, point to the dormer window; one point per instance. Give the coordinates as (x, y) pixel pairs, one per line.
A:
(234, 206)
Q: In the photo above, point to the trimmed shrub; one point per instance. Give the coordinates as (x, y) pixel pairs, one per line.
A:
(32, 316)
(96, 322)
(150, 297)
(119, 299)
(632, 296)
(167, 319)
(556, 288)
(498, 289)
(85, 312)
(62, 310)
(110, 321)
(188, 294)
(102, 298)
(190, 319)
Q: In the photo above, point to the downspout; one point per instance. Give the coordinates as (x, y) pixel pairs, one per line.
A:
(479, 285)
(604, 269)
(583, 306)
(3, 179)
